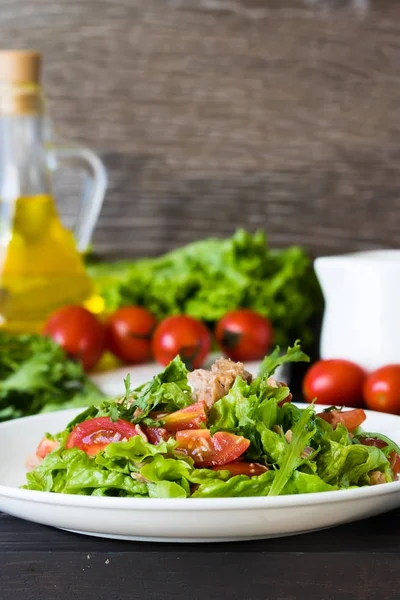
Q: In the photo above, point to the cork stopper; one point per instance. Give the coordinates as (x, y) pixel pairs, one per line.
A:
(20, 92)
(20, 66)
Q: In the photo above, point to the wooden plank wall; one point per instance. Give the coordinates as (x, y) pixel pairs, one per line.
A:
(213, 114)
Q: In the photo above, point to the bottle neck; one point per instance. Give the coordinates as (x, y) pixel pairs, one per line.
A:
(23, 170)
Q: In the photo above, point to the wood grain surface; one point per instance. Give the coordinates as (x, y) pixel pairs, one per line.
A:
(352, 562)
(280, 114)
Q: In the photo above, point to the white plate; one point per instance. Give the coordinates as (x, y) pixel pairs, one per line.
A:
(111, 383)
(182, 520)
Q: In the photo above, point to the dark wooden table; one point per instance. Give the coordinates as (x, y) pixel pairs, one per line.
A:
(357, 561)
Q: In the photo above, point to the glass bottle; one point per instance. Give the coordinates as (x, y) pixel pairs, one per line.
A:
(41, 266)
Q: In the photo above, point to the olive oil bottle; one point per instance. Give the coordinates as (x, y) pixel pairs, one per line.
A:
(41, 266)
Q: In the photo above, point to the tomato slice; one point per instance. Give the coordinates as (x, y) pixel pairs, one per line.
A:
(94, 435)
(46, 446)
(351, 419)
(191, 417)
(155, 435)
(395, 463)
(210, 451)
(243, 468)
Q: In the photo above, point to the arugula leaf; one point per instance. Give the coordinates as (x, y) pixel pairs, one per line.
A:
(169, 389)
(302, 434)
(276, 359)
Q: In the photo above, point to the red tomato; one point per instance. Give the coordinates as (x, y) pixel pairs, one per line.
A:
(244, 334)
(210, 451)
(181, 335)
(94, 435)
(334, 382)
(128, 334)
(45, 447)
(191, 417)
(351, 419)
(79, 333)
(155, 435)
(382, 390)
(395, 463)
(243, 468)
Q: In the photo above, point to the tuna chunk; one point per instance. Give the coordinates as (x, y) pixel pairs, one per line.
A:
(376, 478)
(210, 386)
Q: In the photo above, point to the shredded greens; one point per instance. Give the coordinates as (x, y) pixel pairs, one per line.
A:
(207, 279)
(301, 451)
(36, 376)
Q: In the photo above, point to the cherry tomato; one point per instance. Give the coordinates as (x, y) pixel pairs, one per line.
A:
(181, 335)
(243, 468)
(210, 451)
(351, 419)
(334, 382)
(191, 417)
(244, 334)
(128, 334)
(94, 435)
(46, 446)
(79, 333)
(382, 390)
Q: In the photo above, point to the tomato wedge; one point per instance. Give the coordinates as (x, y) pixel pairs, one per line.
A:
(190, 417)
(243, 468)
(94, 435)
(46, 446)
(210, 451)
(351, 419)
(155, 435)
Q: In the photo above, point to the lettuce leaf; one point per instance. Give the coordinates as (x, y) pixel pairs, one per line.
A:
(351, 464)
(37, 376)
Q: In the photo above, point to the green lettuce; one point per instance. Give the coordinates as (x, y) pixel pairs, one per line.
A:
(37, 376)
(347, 465)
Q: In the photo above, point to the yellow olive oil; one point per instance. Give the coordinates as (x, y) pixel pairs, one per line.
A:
(40, 266)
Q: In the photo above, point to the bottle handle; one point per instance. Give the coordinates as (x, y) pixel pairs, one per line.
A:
(94, 188)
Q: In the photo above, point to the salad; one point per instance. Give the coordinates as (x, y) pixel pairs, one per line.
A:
(212, 433)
